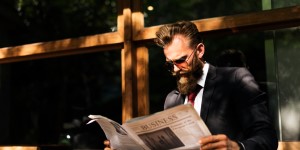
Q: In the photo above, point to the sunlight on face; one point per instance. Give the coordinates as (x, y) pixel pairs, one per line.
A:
(187, 76)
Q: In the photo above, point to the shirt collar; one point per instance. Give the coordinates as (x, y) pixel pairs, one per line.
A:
(201, 81)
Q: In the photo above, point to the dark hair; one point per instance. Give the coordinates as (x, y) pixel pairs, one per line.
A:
(188, 29)
(231, 58)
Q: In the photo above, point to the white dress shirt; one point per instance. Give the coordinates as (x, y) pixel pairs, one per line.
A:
(201, 82)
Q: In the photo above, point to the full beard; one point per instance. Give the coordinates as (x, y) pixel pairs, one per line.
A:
(187, 79)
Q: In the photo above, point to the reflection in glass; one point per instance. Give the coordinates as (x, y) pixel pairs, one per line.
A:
(287, 48)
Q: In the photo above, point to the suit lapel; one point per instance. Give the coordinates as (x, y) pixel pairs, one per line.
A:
(174, 99)
(208, 92)
(179, 99)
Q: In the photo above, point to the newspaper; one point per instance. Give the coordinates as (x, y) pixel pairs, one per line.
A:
(176, 128)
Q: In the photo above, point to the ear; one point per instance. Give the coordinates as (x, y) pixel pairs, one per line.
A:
(200, 50)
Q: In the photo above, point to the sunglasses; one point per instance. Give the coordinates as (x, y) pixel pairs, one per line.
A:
(181, 63)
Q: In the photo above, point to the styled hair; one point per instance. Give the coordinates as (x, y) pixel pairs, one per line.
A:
(166, 33)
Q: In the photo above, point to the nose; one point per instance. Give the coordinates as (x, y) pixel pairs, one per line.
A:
(176, 68)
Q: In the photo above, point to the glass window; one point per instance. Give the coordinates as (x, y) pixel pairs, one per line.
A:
(287, 53)
(285, 3)
(48, 100)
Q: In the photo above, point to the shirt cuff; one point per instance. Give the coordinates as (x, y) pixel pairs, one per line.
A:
(241, 145)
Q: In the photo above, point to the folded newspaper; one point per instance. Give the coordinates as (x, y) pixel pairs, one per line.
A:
(176, 128)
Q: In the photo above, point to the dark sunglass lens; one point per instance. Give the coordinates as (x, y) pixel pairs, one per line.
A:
(169, 66)
(180, 60)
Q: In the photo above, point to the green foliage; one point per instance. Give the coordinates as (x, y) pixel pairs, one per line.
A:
(175, 10)
(57, 19)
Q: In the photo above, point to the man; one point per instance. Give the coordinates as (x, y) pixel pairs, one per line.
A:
(228, 99)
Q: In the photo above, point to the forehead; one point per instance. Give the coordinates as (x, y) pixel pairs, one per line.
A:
(177, 48)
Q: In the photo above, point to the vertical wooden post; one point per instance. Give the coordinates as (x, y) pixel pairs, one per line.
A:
(135, 97)
(124, 28)
(142, 61)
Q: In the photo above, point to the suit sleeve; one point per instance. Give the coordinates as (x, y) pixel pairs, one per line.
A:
(254, 117)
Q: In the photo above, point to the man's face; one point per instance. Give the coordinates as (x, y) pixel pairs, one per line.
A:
(187, 72)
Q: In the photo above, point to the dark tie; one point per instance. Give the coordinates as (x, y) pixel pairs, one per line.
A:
(193, 94)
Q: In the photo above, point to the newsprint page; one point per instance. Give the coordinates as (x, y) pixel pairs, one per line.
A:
(176, 128)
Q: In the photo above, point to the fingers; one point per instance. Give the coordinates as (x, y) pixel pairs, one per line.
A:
(213, 138)
(216, 145)
(220, 141)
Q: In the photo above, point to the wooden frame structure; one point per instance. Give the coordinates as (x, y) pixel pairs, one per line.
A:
(131, 35)
(281, 146)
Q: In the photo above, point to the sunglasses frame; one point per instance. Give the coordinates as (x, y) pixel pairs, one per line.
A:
(178, 62)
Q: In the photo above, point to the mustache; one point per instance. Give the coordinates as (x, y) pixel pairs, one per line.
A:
(180, 73)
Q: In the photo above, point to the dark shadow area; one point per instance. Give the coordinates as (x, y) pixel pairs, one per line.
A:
(47, 101)
(231, 58)
(160, 80)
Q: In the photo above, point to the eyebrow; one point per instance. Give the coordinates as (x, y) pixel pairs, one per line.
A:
(177, 59)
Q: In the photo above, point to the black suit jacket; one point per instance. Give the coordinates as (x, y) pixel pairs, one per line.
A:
(233, 105)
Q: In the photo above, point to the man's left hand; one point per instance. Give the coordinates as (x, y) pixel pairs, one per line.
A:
(219, 142)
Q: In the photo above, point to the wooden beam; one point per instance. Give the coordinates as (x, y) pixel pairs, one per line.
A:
(256, 21)
(127, 64)
(86, 44)
(142, 74)
(35, 147)
(292, 145)
(134, 64)
(19, 148)
(141, 60)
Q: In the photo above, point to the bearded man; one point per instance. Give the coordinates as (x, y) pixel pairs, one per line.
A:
(228, 99)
